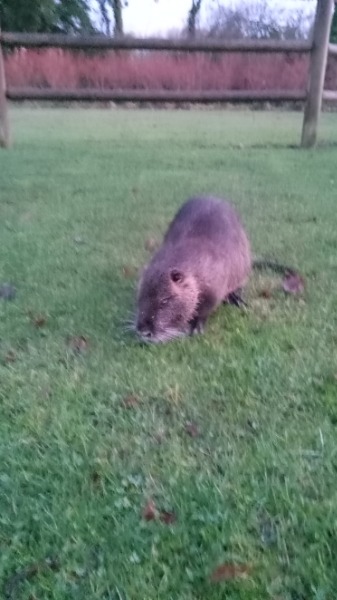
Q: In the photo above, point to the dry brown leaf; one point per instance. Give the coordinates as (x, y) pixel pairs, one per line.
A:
(229, 571)
(38, 320)
(265, 293)
(149, 512)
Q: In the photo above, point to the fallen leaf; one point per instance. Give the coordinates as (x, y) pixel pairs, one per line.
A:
(229, 571)
(293, 283)
(38, 320)
(265, 293)
(78, 344)
(7, 291)
(130, 401)
(167, 517)
(149, 512)
(192, 429)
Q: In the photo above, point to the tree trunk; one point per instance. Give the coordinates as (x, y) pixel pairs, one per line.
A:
(192, 18)
(117, 8)
(105, 15)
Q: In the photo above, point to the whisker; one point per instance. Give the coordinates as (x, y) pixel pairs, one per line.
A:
(163, 336)
(128, 328)
(169, 335)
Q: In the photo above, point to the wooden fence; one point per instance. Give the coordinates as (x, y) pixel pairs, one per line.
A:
(319, 48)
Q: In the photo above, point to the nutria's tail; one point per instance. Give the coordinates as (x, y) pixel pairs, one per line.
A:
(260, 264)
(235, 297)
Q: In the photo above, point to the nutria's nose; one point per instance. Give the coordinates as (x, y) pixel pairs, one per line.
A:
(145, 334)
(144, 330)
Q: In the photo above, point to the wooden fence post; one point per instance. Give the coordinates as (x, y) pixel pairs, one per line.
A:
(318, 60)
(4, 123)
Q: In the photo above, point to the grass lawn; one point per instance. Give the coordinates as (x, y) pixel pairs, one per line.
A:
(87, 439)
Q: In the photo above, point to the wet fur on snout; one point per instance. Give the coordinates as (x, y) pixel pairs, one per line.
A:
(205, 257)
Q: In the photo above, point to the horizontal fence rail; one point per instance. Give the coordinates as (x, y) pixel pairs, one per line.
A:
(319, 49)
(41, 40)
(155, 95)
(332, 49)
(330, 95)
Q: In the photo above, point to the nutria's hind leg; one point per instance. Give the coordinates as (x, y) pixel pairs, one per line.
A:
(235, 298)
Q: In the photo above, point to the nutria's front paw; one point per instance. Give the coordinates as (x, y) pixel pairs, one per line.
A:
(197, 326)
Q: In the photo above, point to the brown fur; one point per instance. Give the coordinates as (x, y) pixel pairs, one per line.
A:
(204, 259)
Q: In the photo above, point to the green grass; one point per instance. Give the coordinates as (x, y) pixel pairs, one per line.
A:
(258, 485)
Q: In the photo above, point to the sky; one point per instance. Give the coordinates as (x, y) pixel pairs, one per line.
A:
(157, 17)
(149, 17)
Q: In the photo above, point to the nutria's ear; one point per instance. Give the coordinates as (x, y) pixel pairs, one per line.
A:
(177, 276)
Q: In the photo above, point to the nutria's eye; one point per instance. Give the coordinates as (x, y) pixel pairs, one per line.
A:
(176, 276)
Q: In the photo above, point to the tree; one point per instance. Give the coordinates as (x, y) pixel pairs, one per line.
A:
(55, 16)
(104, 9)
(73, 16)
(333, 33)
(192, 18)
(257, 20)
(116, 8)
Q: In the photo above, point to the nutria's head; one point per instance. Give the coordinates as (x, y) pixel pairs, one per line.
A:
(166, 302)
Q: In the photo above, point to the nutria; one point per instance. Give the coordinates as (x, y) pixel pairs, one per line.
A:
(204, 260)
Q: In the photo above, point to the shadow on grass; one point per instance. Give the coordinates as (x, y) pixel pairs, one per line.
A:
(278, 146)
